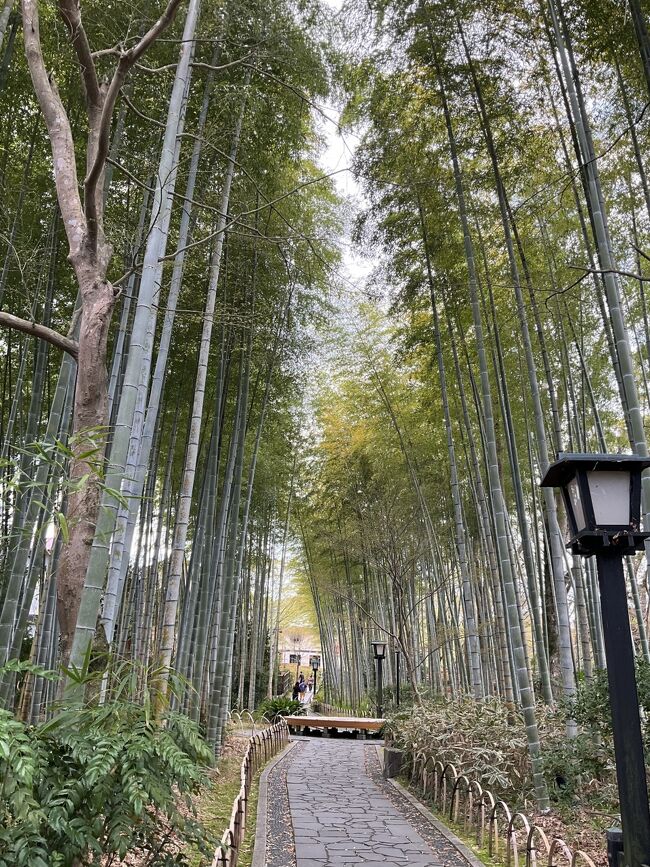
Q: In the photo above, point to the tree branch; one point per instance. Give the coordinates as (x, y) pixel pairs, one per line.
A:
(40, 331)
(126, 61)
(269, 203)
(71, 13)
(196, 64)
(618, 271)
(58, 128)
(155, 30)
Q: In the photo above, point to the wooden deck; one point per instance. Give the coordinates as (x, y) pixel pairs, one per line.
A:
(328, 723)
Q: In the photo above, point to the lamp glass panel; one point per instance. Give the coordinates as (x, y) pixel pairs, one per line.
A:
(610, 496)
(576, 502)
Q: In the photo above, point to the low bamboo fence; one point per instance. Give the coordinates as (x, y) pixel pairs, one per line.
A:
(261, 748)
(489, 820)
(245, 720)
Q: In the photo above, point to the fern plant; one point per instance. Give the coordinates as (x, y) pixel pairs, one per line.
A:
(97, 782)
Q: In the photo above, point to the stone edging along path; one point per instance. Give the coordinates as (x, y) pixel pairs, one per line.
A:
(265, 827)
(326, 804)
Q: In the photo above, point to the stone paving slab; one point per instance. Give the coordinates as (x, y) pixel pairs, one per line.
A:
(342, 818)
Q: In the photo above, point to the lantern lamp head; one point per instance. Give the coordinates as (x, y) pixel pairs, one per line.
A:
(379, 649)
(314, 661)
(602, 495)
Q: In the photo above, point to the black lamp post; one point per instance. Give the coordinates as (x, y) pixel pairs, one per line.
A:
(314, 661)
(602, 495)
(379, 651)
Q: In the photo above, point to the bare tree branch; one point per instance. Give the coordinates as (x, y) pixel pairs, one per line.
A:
(618, 271)
(58, 128)
(196, 64)
(137, 111)
(641, 253)
(268, 204)
(70, 11)
(40, 331)
(126, 61)
(155, 30)
(379, 626)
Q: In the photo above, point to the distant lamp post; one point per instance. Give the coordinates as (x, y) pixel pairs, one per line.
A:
(314, 661)
(602, 495)
(379, 651)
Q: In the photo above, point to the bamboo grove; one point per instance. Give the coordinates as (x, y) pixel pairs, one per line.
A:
(148, 428)
(171, 271)
(503, 158)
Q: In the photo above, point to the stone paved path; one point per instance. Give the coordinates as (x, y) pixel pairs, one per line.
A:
(341, 818)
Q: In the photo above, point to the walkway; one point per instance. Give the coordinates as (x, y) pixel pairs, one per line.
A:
(343, 814)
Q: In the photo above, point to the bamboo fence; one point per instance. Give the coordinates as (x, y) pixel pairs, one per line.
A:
(489, 820)
(262, 746)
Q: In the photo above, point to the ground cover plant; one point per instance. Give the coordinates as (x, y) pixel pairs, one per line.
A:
(484, 738)
(214, 801)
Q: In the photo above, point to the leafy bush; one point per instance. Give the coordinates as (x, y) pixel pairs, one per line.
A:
(274, 708)
(590, 708)
(488, 740)
(99, 781)
(406, 697)
(583, 766)
(577, 767)
(484, 738)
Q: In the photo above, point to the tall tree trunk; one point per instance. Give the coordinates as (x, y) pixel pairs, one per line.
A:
(139, 359)
(556, 542)
(461, 543)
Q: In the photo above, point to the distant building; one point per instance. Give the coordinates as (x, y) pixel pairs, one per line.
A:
(298, 659)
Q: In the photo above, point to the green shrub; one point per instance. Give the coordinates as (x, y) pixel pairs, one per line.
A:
(482, 738)
(487, 740)
(99, 781)
(274, 708)
(577, 766)
(590, 707)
